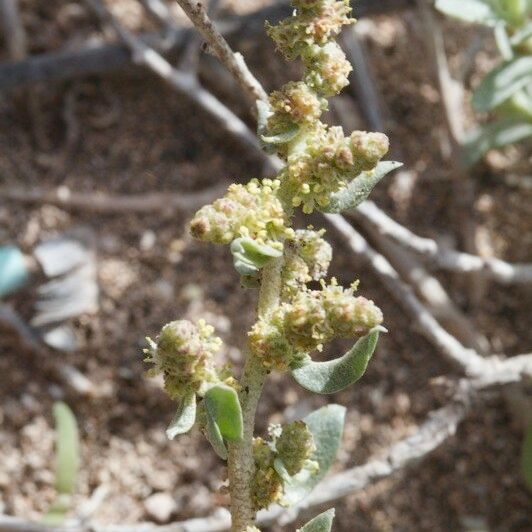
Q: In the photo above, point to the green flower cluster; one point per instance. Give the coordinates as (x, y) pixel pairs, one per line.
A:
(308, 320)
(325, 161)
(183, 354)
(307, 258)
(252, 210)
(293, 446)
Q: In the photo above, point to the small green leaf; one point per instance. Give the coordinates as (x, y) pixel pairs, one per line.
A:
(67, 449)
(359, 188)
(222, 404)
(502, 82)
(249, 256)
(526, 458)
(282, 138)
(58, 512)
(263, 114)
(214, 436)
(335, 375)
(326, 426)
(495, 135)
(321, 523)
(184, 417)
(67, 462)
(474, 11)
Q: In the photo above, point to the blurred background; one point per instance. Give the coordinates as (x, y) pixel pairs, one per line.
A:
(102, 163)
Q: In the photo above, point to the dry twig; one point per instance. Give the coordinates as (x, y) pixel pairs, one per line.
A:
(444, 258)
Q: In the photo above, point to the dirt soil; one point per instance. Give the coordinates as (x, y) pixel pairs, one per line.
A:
(128, 133)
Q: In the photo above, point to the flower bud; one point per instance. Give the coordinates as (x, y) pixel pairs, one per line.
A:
(295, 103)
(183, 354)
(251, 210)
(327, 69)
(307, 258)
(295, 446)
(327, 163)
(267, 485)
(315, 22)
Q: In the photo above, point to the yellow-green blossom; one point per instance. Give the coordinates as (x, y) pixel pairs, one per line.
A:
(251, 210)
(267, 485)
(183, 354)
(295, 446)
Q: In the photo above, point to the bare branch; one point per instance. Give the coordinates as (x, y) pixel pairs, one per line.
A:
(444, 258)
(183, 82)
(13, 30)
(105, 204)
(234, 62)
(465, 359)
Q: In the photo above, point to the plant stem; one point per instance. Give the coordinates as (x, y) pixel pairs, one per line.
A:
(240, 460)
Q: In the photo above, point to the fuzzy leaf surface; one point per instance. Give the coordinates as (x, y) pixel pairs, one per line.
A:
(335, 375)
(223, 406)
(214, 436)
(321, 523)
(326, 426)
(184, 417)
(359, 188)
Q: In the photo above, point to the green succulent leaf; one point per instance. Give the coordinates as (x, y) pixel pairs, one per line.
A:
(326, 426)
(502, 82)
(474, 11)
(67, 449)
(214, 436)
(184, 417)
(223, 406)
(249, 256)
(360, 188)
(493, 136)
(335, 375)
(526, 458)
(67, 463)
(321, 523)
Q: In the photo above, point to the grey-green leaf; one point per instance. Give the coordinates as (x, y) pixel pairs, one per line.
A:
(495, 135)
(502, 82)
(326, 426)
(184, 417)
(214, 436)
(249, 256)
(474, 11)
(359, 188)
(321, 523)
(519, 37)
(282, 138)
(222, 404)
(67, 449)
(335, 375)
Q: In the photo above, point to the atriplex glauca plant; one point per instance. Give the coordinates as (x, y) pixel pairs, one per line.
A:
(326, 171)
(506, 91)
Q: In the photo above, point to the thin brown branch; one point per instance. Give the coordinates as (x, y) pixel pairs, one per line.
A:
(183, 82)
(465, 359)
(444, 258)
(105, 204)
(234, 62)
(13, 29)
